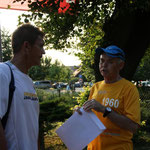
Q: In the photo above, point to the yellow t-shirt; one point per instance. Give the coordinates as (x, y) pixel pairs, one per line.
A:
(122, 97)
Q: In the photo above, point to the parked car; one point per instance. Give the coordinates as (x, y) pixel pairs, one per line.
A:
(55, 85)
(42, 84)
(63, 85)
(59, 85)
(78, 84)
(145, 83)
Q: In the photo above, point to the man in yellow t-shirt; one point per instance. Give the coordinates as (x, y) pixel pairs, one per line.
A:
(115, 101)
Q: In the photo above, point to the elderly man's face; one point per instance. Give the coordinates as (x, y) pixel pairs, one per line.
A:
(110, 67)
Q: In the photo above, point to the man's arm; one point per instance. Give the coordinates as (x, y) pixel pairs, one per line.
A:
(119, 120)
(3, 144)
(123, 121)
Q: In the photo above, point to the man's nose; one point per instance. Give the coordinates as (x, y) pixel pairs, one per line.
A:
(104, 64)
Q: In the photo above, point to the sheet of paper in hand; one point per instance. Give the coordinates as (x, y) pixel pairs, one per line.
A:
(79, 130)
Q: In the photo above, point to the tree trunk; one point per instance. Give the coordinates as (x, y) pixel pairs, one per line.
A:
(131, 32)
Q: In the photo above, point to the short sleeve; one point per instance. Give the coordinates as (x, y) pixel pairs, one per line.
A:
(132, 105)
(4, 90)
(91, 92)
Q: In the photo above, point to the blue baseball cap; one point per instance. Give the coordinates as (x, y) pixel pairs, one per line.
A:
(112, 51)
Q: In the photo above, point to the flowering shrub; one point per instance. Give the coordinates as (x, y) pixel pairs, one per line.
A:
(83, 96)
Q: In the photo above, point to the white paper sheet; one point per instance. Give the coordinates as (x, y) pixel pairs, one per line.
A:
(79, 130)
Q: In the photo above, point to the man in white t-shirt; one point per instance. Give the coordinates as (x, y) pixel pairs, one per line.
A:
(22, 127)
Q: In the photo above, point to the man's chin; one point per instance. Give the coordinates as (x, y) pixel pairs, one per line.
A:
(104, 74)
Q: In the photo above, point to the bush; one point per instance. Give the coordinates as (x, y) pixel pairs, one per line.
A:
(44, 95)
(142, 137)
(53, 109)
(83, 96)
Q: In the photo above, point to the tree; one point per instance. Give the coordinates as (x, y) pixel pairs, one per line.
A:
(124, 23)
(143, 71)
(59, 73)
(88, 44)
(129, 29)
(55, 72)
(40, 72)
(6, 45)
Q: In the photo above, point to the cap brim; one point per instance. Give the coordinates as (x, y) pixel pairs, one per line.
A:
(100, 50)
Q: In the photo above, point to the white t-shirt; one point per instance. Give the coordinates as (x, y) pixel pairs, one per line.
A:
(22, 126)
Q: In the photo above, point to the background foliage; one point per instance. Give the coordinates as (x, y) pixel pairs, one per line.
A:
(94, 23)
(143, 70)
(55, 72)
(6, 45)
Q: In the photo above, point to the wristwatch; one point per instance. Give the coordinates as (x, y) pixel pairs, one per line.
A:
(107, 111)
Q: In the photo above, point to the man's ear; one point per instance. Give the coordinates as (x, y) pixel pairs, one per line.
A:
(121, 65)
(27, 47)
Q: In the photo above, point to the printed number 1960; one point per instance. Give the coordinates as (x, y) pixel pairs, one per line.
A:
(111, 102)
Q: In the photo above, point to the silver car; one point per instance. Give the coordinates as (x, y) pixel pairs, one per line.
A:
(42, 84)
